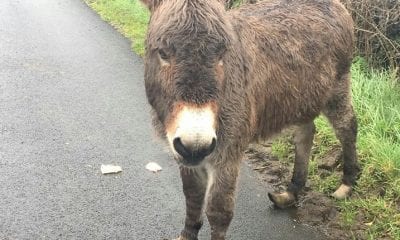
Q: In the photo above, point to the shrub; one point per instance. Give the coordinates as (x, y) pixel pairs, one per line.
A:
(377, 31)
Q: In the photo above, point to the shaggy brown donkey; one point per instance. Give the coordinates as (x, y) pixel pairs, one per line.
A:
(218, 79)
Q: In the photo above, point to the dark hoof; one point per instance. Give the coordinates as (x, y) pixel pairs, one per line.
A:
(282, 200)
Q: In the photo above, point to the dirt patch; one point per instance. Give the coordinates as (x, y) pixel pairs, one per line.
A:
(313, 208)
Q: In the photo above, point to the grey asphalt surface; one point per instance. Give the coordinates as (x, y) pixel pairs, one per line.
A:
(72, 98)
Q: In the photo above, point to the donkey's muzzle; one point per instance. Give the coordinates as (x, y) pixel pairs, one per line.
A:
(193, 152)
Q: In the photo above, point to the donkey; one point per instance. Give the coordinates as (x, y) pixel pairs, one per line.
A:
(218, 80)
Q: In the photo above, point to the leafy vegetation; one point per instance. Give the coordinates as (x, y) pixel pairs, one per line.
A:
(376, 96)
(377, 31)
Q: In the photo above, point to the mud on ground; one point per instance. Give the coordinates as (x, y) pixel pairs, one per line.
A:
(313, 208)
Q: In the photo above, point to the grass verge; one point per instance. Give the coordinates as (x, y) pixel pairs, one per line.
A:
(376, 97)
(130, 17)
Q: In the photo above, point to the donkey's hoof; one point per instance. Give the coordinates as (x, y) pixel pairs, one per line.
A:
(342, 192)
(282, 200)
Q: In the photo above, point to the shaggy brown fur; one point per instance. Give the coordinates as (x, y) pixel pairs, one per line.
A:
(267, 66)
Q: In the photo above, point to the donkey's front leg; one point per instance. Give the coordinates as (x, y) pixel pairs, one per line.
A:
(221, 199)
(194, 187)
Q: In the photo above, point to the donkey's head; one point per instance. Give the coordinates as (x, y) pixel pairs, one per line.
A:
(184, 76)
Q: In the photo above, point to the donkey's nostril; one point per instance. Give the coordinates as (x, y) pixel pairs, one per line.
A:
(193, 153)
(212, 146)
(180, 148)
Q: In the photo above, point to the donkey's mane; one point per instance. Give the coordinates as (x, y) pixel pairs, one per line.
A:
(191, 18)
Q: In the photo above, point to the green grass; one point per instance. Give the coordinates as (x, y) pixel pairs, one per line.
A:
(130, 17)
(376, 97)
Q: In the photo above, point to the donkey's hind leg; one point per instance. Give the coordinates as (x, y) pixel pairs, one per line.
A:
(303, 140)
(340, 113)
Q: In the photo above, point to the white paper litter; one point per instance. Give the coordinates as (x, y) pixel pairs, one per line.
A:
(153, 167)
(107, 169)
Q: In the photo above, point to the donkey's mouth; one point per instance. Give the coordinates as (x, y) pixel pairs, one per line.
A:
(192, 162)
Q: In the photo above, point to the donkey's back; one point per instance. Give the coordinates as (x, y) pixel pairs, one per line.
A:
(298, 55)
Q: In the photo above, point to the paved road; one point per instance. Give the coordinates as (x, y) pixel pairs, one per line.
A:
(72, 98)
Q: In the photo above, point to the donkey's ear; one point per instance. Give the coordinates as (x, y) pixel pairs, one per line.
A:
(151, 4)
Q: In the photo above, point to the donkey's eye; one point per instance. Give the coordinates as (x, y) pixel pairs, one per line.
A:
(221, 54)
(163, 55)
